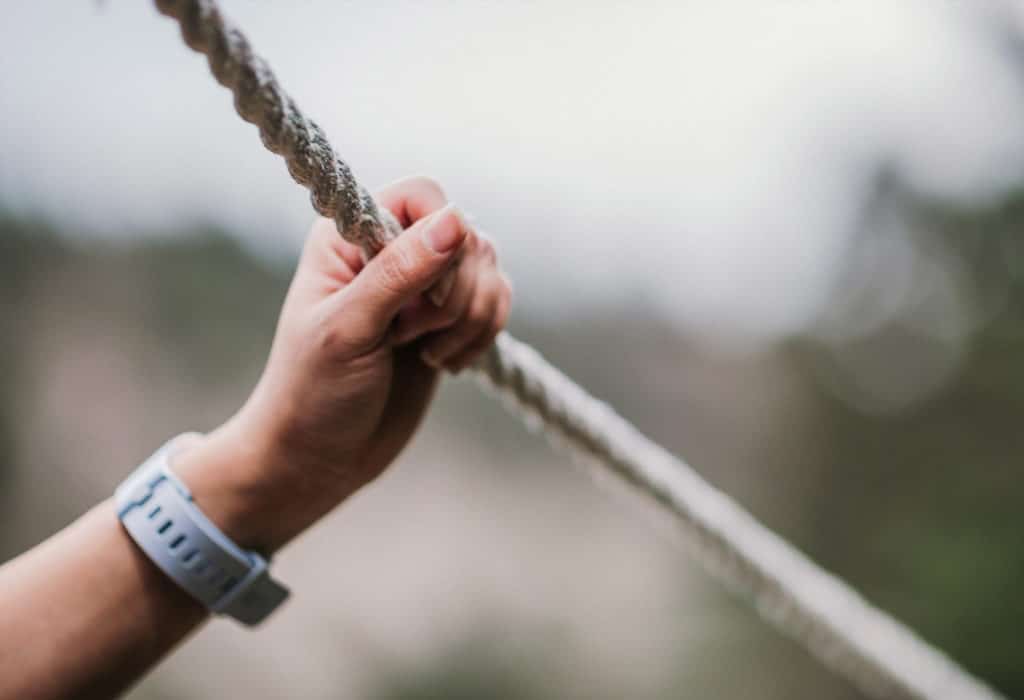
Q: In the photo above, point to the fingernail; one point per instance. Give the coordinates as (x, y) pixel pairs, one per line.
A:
(445, 229)
(429, 359)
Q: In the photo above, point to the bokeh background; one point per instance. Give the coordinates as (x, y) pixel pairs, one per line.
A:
(783, 238)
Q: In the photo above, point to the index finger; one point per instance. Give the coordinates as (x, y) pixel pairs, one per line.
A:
(412, 198)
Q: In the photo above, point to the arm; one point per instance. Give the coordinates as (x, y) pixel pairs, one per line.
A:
(351, 372)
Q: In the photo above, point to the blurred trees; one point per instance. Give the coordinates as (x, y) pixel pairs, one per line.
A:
(921, 508)
(924, 509)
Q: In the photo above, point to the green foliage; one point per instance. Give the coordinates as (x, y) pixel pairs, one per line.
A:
(921, 511)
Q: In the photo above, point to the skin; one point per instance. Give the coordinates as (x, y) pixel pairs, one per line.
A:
(353, 367)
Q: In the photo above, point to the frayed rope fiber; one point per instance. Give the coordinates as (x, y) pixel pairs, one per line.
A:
(878, 654)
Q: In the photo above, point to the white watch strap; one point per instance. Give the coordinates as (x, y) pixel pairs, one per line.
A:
(158, 512)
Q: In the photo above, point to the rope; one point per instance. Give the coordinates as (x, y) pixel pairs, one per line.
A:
(878, 654)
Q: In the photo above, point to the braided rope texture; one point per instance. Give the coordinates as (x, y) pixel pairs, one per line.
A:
(878, 654)
(285, 130)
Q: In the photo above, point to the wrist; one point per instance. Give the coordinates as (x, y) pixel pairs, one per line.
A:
(160, 513)
(225, 474)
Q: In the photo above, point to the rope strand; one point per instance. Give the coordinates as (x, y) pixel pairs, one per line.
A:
(878, 654)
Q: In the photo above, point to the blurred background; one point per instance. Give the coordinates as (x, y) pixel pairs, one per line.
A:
(805, 217)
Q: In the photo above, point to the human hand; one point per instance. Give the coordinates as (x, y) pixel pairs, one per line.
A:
(353, 367)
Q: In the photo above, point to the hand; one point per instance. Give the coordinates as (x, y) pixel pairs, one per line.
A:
(353, 367)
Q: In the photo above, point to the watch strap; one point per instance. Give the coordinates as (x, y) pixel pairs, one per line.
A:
(159, 513)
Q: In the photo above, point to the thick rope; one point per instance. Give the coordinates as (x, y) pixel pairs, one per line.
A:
(881, 656)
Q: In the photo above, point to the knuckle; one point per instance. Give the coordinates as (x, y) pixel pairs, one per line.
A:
(326, 336)
(339, 336)
(330, 339)
(479, 317)
(397, 268)
(427, 184)
(493, 286)
(487, 250)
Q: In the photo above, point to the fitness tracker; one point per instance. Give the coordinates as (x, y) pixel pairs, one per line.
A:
(157, 510)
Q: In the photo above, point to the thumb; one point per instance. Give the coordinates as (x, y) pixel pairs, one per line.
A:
(407, 267)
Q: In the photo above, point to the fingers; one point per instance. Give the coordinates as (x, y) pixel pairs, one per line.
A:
(409, 199)
(478, 347)
(485, 317)
(466, 325)
(407, 267)
(326, 252)
(422, 317)
(412, 198)
(437, 252)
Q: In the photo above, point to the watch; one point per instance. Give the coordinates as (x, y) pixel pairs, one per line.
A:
(157, 510)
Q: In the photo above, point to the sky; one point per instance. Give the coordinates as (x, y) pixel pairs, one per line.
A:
(706, 161)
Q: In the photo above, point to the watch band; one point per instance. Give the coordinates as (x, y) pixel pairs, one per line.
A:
(158, 512)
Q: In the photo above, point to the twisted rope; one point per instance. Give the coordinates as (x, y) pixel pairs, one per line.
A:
(878, 654)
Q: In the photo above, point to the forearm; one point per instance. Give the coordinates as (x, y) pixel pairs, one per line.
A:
(86, 613)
